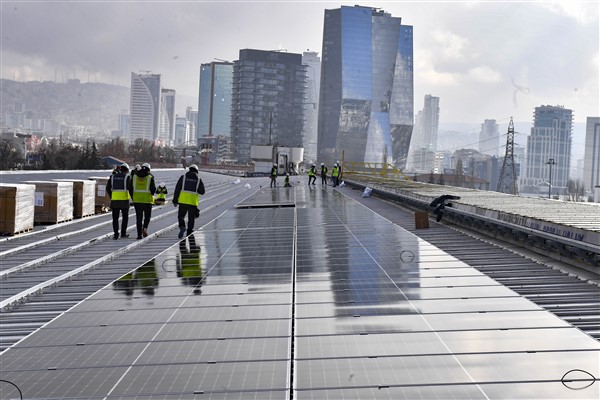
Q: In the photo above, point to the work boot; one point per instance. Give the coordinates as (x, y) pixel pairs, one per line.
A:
(125, 235)
(144, 232)
(115, 236)
(181, 233)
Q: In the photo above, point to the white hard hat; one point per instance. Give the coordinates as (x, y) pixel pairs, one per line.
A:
(314, 165)
(322, 164)
(146, 165)
(162, 184)
(194, 166)
(274, 165)
(124, 166)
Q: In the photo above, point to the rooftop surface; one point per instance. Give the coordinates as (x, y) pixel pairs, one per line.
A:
(304, 293)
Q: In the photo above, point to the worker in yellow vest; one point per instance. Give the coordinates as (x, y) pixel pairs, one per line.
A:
(117, 189)
(187, 196)
(142, 191)
(161, 194)
(335, 175)
(312, 174)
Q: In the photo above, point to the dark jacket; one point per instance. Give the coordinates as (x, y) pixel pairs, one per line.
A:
(120, 204)
(179, 186)
(142, 173)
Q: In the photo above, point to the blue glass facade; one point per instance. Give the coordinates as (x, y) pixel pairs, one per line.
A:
(214, 99)
(366, 102)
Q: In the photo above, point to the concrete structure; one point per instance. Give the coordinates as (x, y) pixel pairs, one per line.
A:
(366, 96)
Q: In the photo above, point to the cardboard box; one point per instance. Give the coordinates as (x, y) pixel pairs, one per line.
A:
(53, 202)
(421, 220)
(16, 208)
(102, 201)
(84, 192)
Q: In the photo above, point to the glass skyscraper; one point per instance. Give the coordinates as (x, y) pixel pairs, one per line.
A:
(366, 96)
(145, 106)
(549, 149)
(214, 99)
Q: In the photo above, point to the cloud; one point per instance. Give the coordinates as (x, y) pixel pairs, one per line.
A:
(484, 74)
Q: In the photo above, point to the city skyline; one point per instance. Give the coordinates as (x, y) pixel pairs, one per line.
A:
(484, 60)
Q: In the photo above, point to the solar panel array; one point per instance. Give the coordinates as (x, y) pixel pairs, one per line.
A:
(324, 300)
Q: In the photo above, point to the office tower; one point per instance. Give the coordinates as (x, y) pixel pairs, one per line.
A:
(182, 131)
(167, 117)
(591, 155)
(489, 138)
(311, 107)
(549, 150)
(430, 122)
(267, 104)
(214, 99)
(145, 105)
(192, 117)
(366, 96)
(123, 123)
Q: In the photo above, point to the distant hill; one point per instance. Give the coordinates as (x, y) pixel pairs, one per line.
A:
(95, 105)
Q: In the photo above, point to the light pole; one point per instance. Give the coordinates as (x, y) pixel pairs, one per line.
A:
(550, 163)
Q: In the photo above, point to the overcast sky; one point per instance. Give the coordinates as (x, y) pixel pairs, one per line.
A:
(485, 60)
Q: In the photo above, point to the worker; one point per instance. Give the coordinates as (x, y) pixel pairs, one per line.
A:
(142, 191)
(335, 175)
(324, 171)
(312, 174)
(286, 181)
(161, 194)
(187, 195)
(273, 176)
(116, 188)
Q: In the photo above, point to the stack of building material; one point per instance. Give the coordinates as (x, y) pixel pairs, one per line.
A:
(53, 202)
(84, 191)
(102, 201)
(16, 208)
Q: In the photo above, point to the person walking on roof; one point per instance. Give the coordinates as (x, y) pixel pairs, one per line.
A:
(323, 174)
(187, 195)
(273, 176)
(335, 175)
(116, 188)
(142, 191)
(312, 174)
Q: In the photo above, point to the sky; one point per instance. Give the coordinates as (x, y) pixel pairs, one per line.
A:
(483, 59)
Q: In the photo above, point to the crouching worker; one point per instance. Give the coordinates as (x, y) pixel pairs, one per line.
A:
(440, 203)
(187, 196)
(161, 194)
(286, 181)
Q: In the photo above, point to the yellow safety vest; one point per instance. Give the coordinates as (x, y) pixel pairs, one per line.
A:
(335, 171)
(189, 192)
(161, 193)
(141, 190)
(119, 190)
(311, 172)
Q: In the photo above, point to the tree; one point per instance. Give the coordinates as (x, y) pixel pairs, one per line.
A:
(114, 148)
(575, 190)
(9, 155)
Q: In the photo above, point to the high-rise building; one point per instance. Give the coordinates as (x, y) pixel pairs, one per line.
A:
(430, 122)
(166, 134)
(366, 96)
(214, 99)
(548, 150)
(145, 105)
(267, 104)
(311, 107)
(123, 124)
(489, 138)
(591, 155)
(182, 131)
(192, 117)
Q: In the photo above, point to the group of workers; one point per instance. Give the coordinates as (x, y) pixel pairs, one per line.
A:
(336, 172)
(139, 189)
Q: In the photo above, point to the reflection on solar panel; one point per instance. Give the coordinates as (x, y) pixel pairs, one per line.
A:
(324, 300)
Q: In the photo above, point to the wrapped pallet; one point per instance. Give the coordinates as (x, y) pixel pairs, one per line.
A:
(53, 202)
(84, 192)
(102, 201)
(16, 208)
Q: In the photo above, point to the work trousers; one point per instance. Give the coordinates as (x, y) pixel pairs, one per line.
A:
(124, 220)
(143, 213)
(191, 212)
